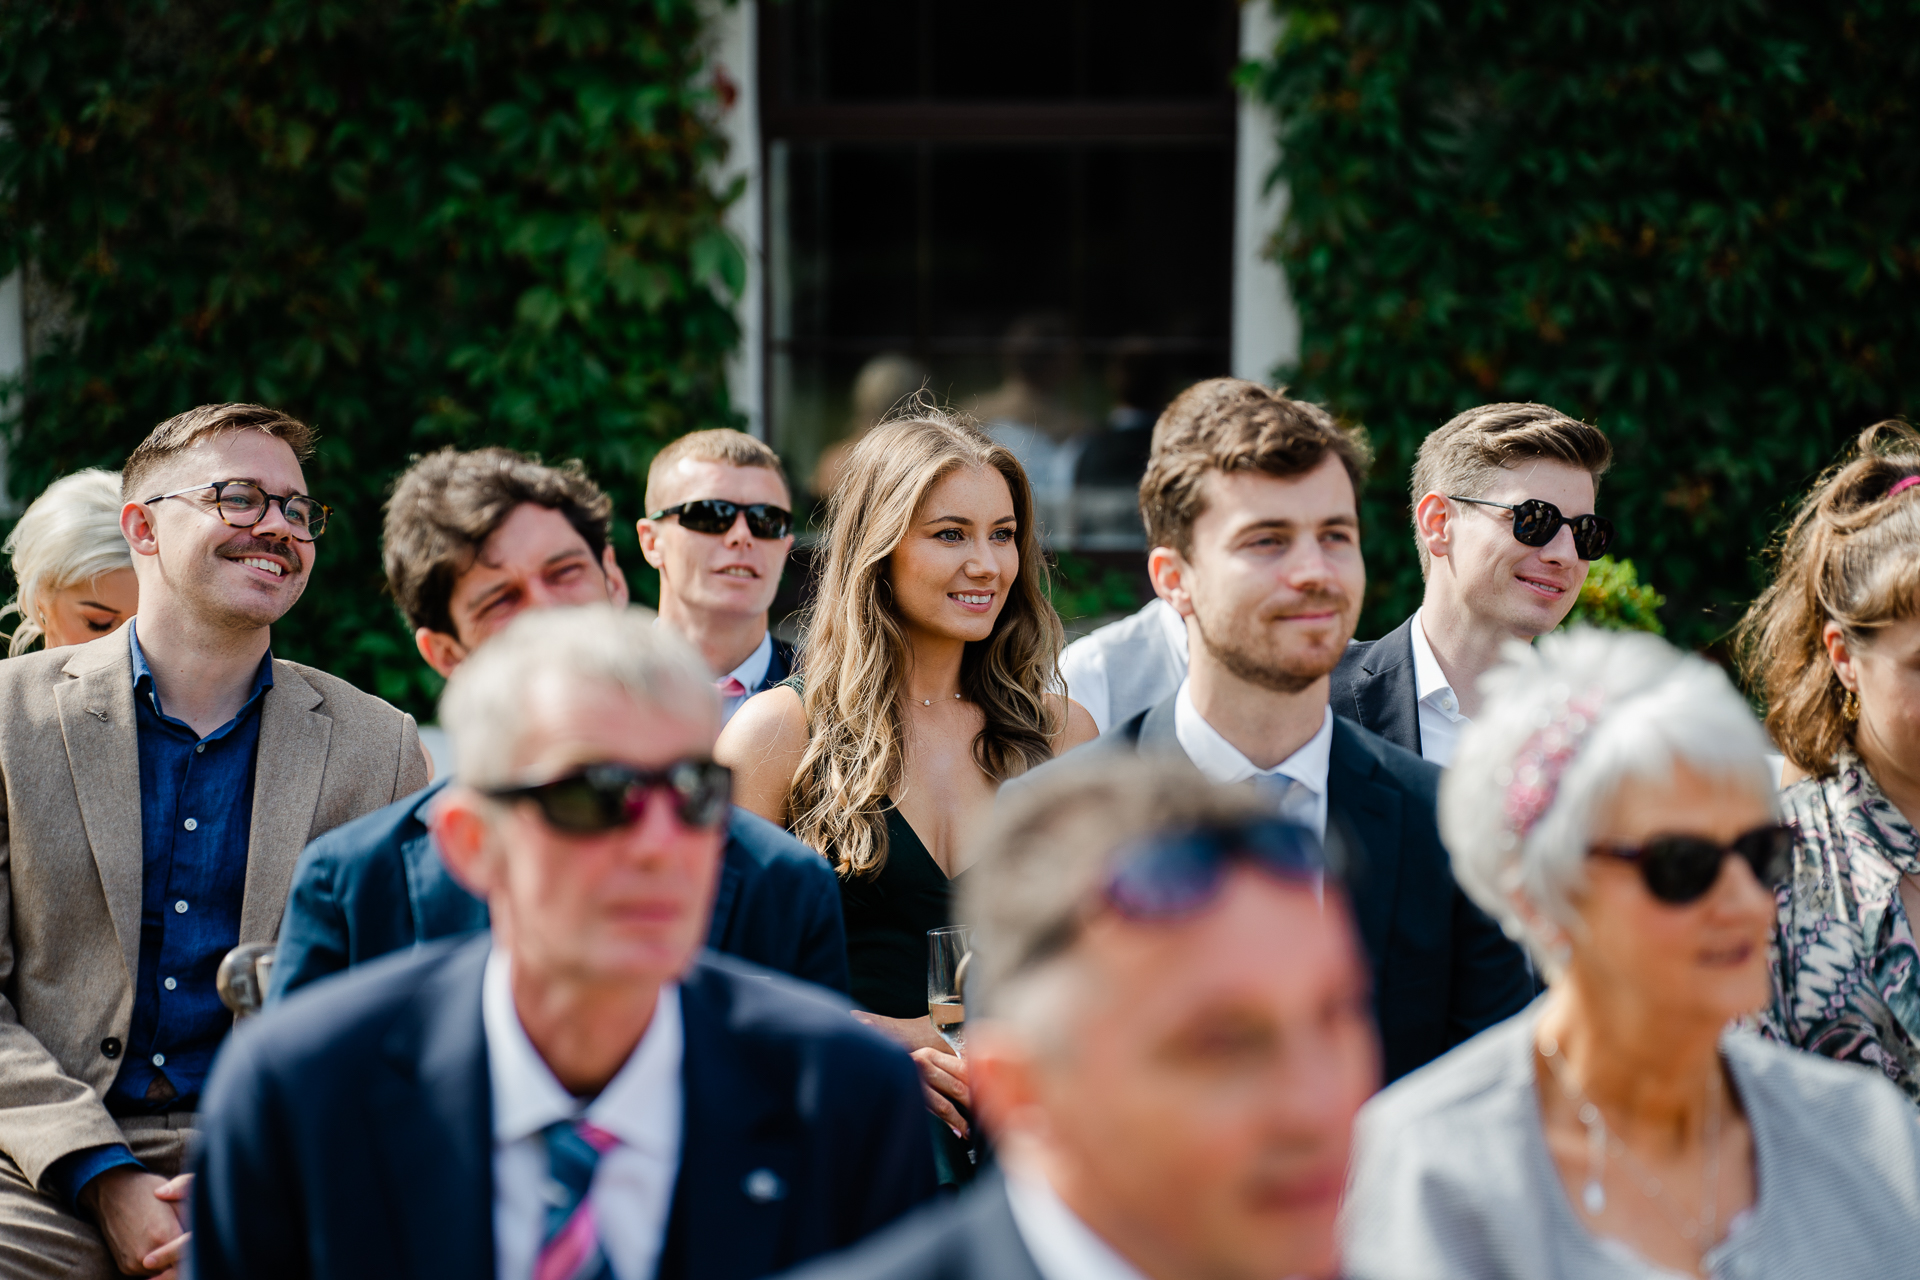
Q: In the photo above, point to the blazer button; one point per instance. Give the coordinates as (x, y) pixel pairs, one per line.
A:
(110, 1047)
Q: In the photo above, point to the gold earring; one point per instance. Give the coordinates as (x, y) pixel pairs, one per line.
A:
(1850, 706)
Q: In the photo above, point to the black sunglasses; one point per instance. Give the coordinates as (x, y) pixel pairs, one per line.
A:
(243, 504)
(605, 797)
(1175, 874)
(1680, 869)
(1535, 522)
(716, 515)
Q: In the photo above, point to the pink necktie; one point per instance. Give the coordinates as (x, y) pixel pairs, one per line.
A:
(572, 1250)
(730, 687)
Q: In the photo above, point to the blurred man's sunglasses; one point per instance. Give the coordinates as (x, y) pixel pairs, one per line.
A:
(1535, 522)
(1175, 874)
(607, 797)
(243, 504)
(1680, 869)
(716, 515)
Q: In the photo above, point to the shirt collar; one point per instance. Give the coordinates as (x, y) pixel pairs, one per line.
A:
(754, 670)
(1062, 1246)
(143, 674)
(1429, 681)
(641, 1105)
(1223, 762)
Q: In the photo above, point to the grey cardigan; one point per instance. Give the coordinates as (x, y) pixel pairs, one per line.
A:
(1451, 1175)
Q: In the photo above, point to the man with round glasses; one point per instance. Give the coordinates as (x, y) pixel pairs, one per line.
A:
(718, 527)
(583, 1091)
(1504, 521)
(160, 783)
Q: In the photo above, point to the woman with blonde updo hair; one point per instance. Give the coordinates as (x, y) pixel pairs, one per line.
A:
(72, 564)
(1834, 645)
(928, 676)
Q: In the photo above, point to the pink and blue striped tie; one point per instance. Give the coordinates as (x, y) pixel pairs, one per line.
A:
(572, 1250)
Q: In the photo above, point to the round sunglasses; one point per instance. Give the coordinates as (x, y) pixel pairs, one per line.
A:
(1536, 521)
(716, 515)
(1680, 869)
(599, 798)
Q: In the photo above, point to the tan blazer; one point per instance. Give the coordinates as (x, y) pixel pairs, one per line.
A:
(71, 859)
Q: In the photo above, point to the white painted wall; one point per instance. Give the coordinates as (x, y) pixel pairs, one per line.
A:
(735, 55)
(1266, 328)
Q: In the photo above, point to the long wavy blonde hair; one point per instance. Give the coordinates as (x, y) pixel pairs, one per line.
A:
(854, 657)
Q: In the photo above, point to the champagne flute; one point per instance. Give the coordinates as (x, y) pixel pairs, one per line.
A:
(948, 951)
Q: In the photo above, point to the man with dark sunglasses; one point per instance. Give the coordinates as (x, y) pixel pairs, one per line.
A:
(1168, 1034)
(718, 527)
(159, 785)
(1504, 520)
(582, 1091)
(474, 539)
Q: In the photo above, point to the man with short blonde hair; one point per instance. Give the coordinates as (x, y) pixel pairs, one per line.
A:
(719, 525)
(1504, 523)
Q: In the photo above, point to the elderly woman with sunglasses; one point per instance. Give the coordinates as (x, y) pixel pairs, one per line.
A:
(1612, 806)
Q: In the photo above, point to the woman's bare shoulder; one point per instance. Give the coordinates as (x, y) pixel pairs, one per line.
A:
(1078, 721)
(763, 744)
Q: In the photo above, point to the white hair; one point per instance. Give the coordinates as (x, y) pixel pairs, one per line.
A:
(1632, 707)
(484, 707)
(69, 535)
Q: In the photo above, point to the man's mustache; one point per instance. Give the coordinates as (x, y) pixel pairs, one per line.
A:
(1314, 602)
(249, 545)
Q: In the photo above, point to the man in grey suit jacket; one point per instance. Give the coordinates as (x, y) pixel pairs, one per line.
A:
(143, 839)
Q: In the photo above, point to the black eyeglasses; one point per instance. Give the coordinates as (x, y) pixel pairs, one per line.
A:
(243, 504)
(1536, 521)
(1175, 874)
(1680, 869)
(716, 515)
(606, 797)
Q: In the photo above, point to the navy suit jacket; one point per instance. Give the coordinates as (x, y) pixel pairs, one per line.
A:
(377, 885)
(1442, 969)
(347, 1132)
(972, 1237)
(1375, 686)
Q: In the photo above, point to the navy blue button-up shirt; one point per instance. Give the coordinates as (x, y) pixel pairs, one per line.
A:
(196, 812)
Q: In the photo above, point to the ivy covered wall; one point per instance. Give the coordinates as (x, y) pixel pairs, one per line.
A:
(1697, 225)
(411, 223)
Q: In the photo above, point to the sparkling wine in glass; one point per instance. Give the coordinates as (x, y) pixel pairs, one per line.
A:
(948, 951)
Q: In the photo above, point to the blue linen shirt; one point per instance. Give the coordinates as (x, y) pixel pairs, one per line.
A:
(196, 812)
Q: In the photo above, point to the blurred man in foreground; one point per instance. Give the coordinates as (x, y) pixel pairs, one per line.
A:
(1169, 1037)
(583, 1089)
(474, 539)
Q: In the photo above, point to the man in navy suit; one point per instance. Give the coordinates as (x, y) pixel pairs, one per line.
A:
(1167, 1032)
(472, 539)
(583, 1088)
(1503, 519)
(1250, 503)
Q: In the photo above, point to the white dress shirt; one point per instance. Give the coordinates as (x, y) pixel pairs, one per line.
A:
(1062, 1246)
(1441, 723)
(1086, 664)
(1220, 761)
(749, 673)
(643, 1106)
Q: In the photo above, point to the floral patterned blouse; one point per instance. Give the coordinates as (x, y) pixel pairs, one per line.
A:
(1846, 969)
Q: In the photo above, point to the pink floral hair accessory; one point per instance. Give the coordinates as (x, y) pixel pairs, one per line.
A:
(1532, 782)
(1906, 483)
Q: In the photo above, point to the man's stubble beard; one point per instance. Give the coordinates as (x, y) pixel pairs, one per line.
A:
(1244, 650)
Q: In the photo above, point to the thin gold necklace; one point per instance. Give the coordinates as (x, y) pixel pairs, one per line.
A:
(1601, 1142)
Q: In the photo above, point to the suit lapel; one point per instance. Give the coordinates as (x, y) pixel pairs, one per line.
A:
(1369, 813)
(433, 1123)
(103, 750)
(717, 1226)
(287, 772)
(1157, 734)
(1388, 697)
(727, 888)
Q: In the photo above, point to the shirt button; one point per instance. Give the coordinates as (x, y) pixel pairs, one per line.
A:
(110, 1047)
(191, 825)
(159, 1059)
(171, 984)
(180, 907)
(198, 747)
